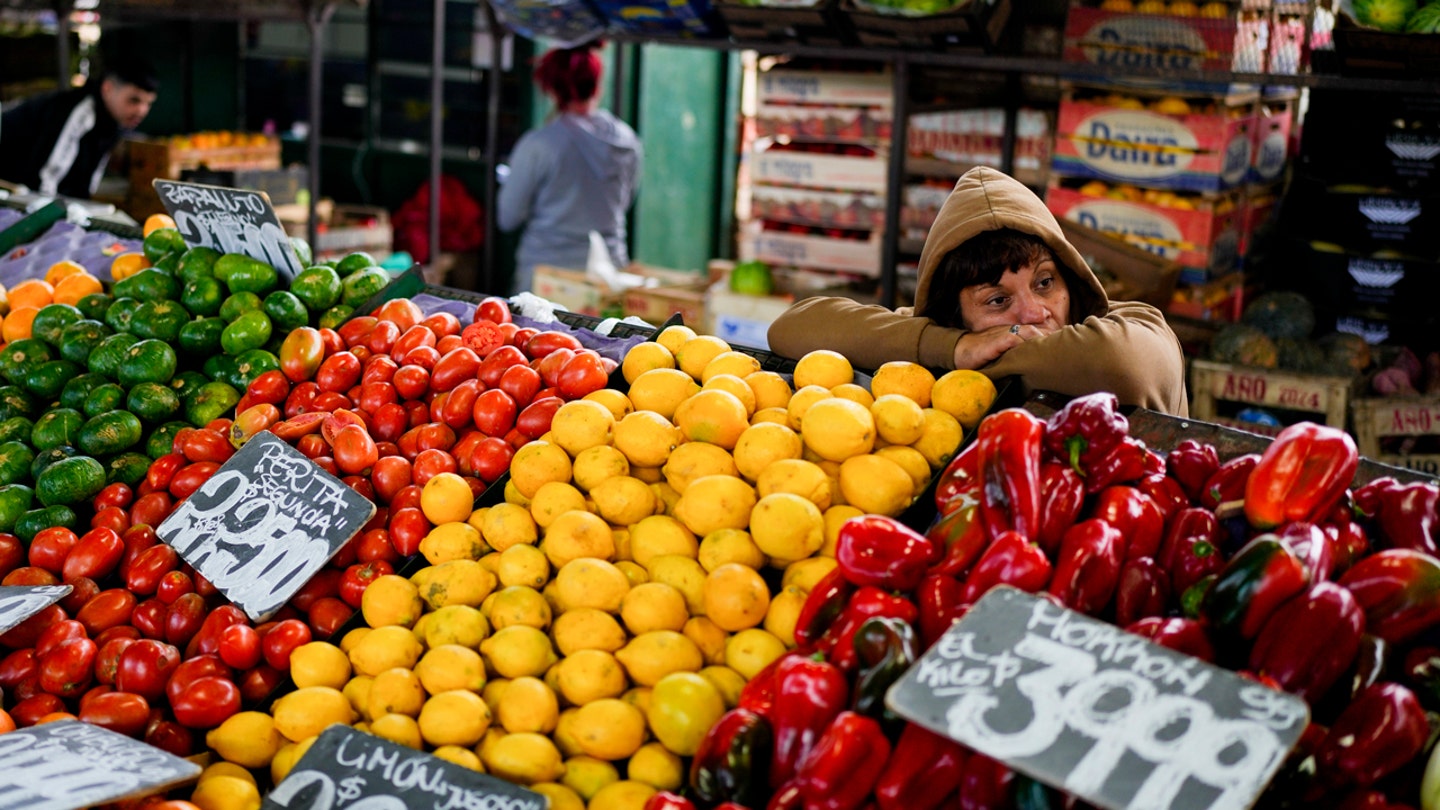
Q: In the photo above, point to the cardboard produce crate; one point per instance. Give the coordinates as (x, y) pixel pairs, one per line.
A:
(161, 159)
(1320, 397)
(343, 229)
(1128, 272)
(1125, 39)
(577, 292)
(1404, 432)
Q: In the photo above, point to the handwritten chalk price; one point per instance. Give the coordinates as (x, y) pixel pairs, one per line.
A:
(229, 220)
(20, 602)
(69, 764)
(1098, 712)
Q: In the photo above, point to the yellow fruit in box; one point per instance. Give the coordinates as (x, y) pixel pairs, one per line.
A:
(1151, 7)
(634, 572)
(734, 363)
(624, 501)
(736, 597)
(1094, 188)
(537, 463)
(522, 758)
(694, 460)
(771, 390)
(517, 651)
(248, 739)
(591, 583)
(730, 546)
(528, 705)
(662, 390)
(695, 354)
(713, 416)
(223, 768)
(836, 516)
(587, 629)
(559, 796)
(519, 605)
(656, 766)
(391, 600)
(876, 485)
(586, 775)
(577, 534)
(651, 656)
(617, 403)
(941, 438)
(523, 565)
(787, 527)
(1215, 11)
(609, 729)
(452, 541)
(653, 606)
(749, 651)
(715, 502)
(898, 419)
(673, 337)
(457, 755)
(319, 664)
(645, 357)
(582, 424)
(226, 793)
(309, 711)
(784, 613)
(734, 386)
(458, 582)
(837, 429)
(965, 395)
(659, 535)
(799, 477)
(666, 497)
(645, 437)
(458, 718)
(589, 675)
(400, 729)
(904, 378)
(597, 464)
(1171, 105)
(449, 667)
(395, 691)
(683, 707)
(824, 368)
(1183, 8)
(855, 393)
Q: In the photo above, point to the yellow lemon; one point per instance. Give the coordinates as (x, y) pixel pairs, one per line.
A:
(578, 534)
(736, 597)
(801, 402)
(517, 651)
(281, 765)
(523, 565)
(458, 582)
(657, 767)
(695, 354)
(653, 606)
(634, 572)
(683, 574)
(783, 614)
(522, 606)
(797, 477)
(223, 768)
(787, 527)
(587, 582)
(662, 390)
(624, 500)
(385, 648)
(911, 461)
(776, 416)
(452, 541)
(319, 664)
(559, 796)
(824, 368)
(683, 706)
(226, 793)
(730, 546)
(523, 758)
(586, 775)
(876, 485)
(623, 795)
(248, 739)
(658, 535)
(512, 494)
(835, 517)
(673, 337)
(528, 705)
(965, 395)
(587, 629)
(352, 638)
(665, 495)
(714, 502)
(459, 717)
(898, 420)
(728, 681)
(507, 524)
(598, 464)
(563, 736)
(771, 390)
(589, 675)
(941, 438)
(708, 638)
(456, 624)
(806, 574)
(696, 460)
(650, 475)
(854, 393)
(737, 364)
(910, 380)
(763, 444)
(734, 386)
(391, 600)
(838, 429)
(446, 498)
(639, 697)
(457, 755)
(646, 438)
(401, 729)
(609, 729)
(617, 403)
(554, 499)
(309, 711)
(492, 694)
(645, 357)
(749, 651)
(395, 691)
(449, 667)
(651, 656)
(714, 416)
(538, 463)
(582, 424)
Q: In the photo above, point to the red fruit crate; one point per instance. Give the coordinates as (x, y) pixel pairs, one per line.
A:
(1213, 384)
(1404, 432)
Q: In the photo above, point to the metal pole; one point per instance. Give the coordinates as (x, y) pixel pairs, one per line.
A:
(489, 280)
(62, 42)
(437, 123)
(1007, 138)
(899, 137)
(315, 19)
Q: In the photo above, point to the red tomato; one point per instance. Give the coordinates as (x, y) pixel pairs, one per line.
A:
(121, 712)
(191, 670)
(152, 509)
(434, 436)
(407, 498)
(379, 369)
(437, 405)
(108, 609)
(69, 669)
(329, 615)
(270, 388)
(257, 683)
(301, 399)
(493, 309)
(494, 412)
(362, 352)
(464, 447)
(203, 586)
(407, 528)
(442, 324)
(535, 420)
(170, 737)
(417, 413)
(208, 445)
(145, 667)
(361, 485)
(546, 342)
(58, 633)
(375, 546)
(388, 422)
(523, 335)
(116, 494)
(499, 361)
(491, 458)
(339, 372)
(551, 364)
(207, 641)
(459, 403)
(95, 555)
(331, 401)
(358, 577)
(301, 354)
(82, 590)
(402, 312)
(183, 618)
(382, 338)
(30, 575)
(332, 340)
(411, 382)
(108, 659)
(483, 337)
(149, 618)
(516, 439)
(355, 329)
(423, 356)
(110, 517)
(12, 553)
(123, 631)
(51, 546)
(282, 640)
(354, 451)
(327, 464)
(137, 539)
(29, 710)
(582, 374)
(177, 444)
(412, 338)
(240, 646)
(312, 446)
(431, 463)
(454, 368)
(337, 420)
(220, 426)
(174, 585)
(521, 382)
(18, 666)
(390, 475)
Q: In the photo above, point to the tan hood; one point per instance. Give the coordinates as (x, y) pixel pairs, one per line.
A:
(987, 200)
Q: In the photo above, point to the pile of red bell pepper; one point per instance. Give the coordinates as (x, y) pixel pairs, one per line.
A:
(1268, 564)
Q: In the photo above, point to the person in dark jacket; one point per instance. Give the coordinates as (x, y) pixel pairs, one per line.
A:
(59, 143)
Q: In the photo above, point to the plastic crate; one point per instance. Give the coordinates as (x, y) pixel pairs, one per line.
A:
(1323, 397)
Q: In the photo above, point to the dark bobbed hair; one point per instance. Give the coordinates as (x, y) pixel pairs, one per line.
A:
(983, 259)
(570, 74)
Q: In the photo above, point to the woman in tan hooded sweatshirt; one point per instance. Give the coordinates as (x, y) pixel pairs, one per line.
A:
(1001, 291)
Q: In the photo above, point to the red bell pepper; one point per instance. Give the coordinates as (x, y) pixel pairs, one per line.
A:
(1167, 494)
(809, 694)
(1255, 582)
(1062, 496)
(1010, 560)
(1383, 728)
(822, 607)
(1314, 548)
(1130, 460)
(842, 768)
(1086, 430)
(665, 800)
(959, 484)
(887, 648)
(1301, 476)
(924, 769)
(1089, 566)
(731, 763)
(1010, 472)
(787, 797)
(1399, 590)
(1350, 541)
(1310, 640)
(1369, 800)
(838, 643)
(1192, 597)
(1404, 514)
(940, 606)
(1143, 591)
(1181, 635)
(1422, 673)
(1191, 550)
(758, 695)
(881, 551)
(1192, 463)
(1228, 482)
(960, 536)
(985, 784)
(1135, 515)
(1372, 663)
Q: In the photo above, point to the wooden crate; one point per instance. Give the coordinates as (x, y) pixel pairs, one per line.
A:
(1382, 423)
(1326, 396)
(159, 159)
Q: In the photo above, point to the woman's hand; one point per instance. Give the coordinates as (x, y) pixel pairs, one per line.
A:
(975, 350)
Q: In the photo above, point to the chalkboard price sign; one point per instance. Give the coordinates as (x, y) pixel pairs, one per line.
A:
(264, 523)
(348, 770)
(1097, 712)
(230, 220)
(20, 602)
(70, 764)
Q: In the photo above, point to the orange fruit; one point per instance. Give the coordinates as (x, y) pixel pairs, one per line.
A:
(155, 222)
(61, 269)
(72, 288)
(54, 717)
(31, 293)
(127, 264)
(18, 323)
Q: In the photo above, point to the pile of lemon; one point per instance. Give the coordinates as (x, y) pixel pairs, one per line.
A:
(582, 636)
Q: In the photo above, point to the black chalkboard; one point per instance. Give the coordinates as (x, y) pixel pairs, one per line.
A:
(1097, 712)
(348, 769)
(230, 220)
(264, 523)
(20, 602)
(69, 764)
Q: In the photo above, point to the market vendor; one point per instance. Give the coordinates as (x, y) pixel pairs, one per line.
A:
(1002, 291)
